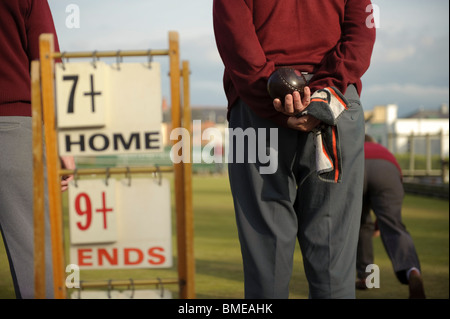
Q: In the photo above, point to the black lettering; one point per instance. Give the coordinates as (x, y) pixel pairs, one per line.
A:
(105, 142)
(92, 93)
(73, 78)
(149, 140)
(80, 142)
(126, 145)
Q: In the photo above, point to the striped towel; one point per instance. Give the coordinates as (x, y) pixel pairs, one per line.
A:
(327, 105)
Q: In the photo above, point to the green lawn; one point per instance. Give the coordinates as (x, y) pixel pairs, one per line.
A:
(218, 261)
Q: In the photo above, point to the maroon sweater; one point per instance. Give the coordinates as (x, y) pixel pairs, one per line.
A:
(326, 37)
(21, 24)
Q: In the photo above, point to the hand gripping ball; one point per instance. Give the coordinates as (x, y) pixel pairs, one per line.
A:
(285, 81)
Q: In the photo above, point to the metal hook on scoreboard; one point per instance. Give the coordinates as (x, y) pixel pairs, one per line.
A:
(75, 177)
(158, 174)
(62, 60)
(132, 288)
(109, 288)
(150, 59)
(161, 286)
(108, 174)
(128, 175)
(94, 59)
(118, 59)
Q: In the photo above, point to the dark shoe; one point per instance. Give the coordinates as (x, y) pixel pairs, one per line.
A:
(361, 284)
(416, 290)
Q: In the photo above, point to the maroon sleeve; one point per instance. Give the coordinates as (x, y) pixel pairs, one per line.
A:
(350, 59)
(243, 57)
(39, 20)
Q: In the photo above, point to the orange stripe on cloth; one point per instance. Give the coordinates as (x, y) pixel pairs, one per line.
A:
(337, 97)
(317, 99)
(336, 166)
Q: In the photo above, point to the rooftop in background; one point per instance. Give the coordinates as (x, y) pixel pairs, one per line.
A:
(441, 113)
(388, 113)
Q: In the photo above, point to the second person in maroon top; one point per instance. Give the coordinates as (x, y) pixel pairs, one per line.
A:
(21, 24)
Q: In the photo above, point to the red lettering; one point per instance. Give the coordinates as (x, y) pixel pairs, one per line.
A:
(81, 212)
(82, 256)
(127, 257)
(103, 253)
(114, 256)
(159, 258)
(104, 210)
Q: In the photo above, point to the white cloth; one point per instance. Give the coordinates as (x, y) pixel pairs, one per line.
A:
(327, 105)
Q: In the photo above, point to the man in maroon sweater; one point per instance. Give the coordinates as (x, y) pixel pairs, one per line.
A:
(383, 193)
(331, 42)
(21, 23)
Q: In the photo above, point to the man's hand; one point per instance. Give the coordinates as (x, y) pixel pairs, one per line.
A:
(305, 123)
(294, 104)
(67, 162)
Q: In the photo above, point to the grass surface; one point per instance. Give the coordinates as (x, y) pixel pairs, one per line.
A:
(218, 261)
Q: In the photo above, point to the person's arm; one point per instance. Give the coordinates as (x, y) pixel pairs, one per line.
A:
(344, 65)
(67, 162)
(350, 59)
(39, 20)
(244, 59)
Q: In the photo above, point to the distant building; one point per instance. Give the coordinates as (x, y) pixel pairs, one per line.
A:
(209, 116)
(382, 123)
(441, 113)
(395, 133)
(425, 132)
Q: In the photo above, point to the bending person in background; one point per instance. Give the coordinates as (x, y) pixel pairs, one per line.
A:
(383, 193)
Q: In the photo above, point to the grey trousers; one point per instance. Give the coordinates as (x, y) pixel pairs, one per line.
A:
(16, 205)
(383, 193)
(274, 210)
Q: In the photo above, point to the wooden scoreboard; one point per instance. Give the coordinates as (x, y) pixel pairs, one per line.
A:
(118, 216)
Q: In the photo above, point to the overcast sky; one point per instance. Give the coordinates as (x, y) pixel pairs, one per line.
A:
(410, 63)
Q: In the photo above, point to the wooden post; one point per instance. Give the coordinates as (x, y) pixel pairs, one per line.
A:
(178, 167)
(184, 242)
(187, 171)
(38, 184)
(53, 164)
